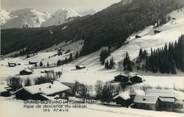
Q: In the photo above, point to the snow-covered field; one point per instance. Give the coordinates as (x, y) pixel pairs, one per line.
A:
(91, 111)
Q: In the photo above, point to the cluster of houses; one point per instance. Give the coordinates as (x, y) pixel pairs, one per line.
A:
(150, 99)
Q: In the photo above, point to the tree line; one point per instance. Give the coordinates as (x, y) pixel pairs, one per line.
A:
(167, 59)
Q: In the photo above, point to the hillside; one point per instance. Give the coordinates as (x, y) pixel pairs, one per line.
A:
(110, 26)
(170, 32)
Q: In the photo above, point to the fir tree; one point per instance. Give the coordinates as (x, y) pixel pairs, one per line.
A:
(41, 63)
(167, 59)
(103, 55)
(127, 63)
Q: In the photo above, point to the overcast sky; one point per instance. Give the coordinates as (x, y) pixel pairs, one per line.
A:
(52, 5)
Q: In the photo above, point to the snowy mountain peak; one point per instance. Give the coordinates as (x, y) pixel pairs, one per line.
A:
(88, 12)
(25, 18)
(4, 16)
(60, 17)
(27, 12)
(68, 12)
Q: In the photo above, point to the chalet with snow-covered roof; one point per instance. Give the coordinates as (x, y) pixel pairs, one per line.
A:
(43, 91)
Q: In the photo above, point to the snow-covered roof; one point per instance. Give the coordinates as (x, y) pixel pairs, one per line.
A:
(137, 92)
(160, 92)
(47, 88)
(167, 99)
(27, 70)
(124, 95)
(146, 99)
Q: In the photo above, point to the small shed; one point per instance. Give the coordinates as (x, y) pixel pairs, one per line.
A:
(80, 67)
(137, 36)
(156, 31)
(26, 72)
(134, 92)
(12, 64)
